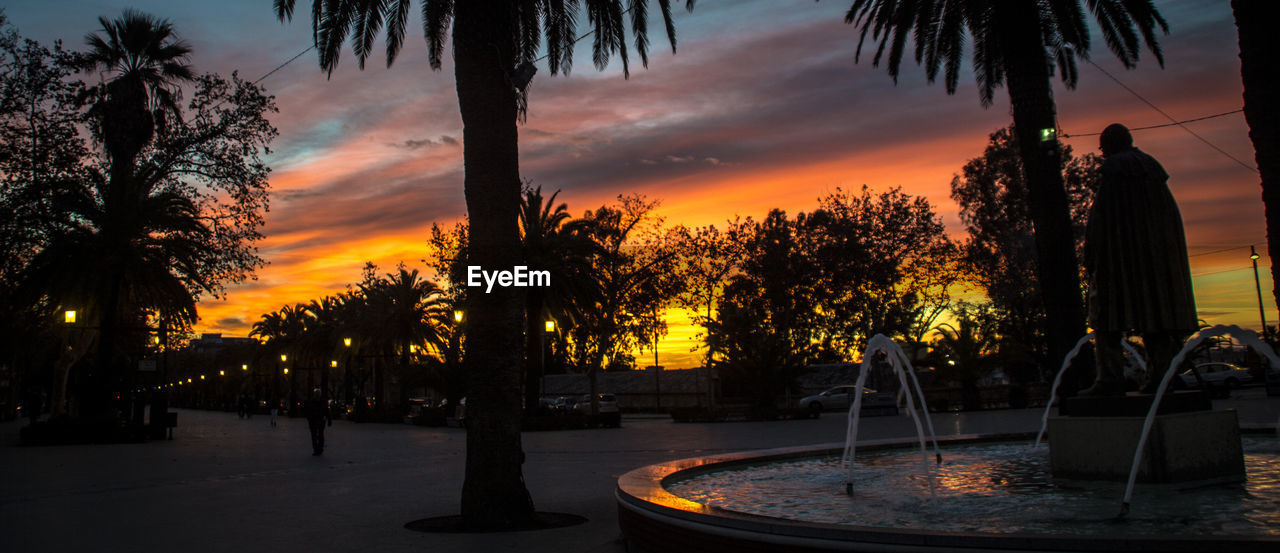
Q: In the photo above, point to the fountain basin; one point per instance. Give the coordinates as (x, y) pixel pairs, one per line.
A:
(654, 519)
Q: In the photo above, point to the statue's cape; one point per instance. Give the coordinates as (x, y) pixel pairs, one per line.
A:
(1135, 250)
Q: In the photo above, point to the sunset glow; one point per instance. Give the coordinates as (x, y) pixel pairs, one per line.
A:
(763, 107)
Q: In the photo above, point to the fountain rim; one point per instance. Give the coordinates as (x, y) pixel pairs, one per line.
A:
(642, 493)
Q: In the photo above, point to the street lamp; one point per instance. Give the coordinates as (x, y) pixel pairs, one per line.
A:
(284, 358)
(244, 367)
(346, 342)
(333, 364)
(549, 326)
(222, 373)
(286, 370)
(1257, 285)
(457, 316)
(69, 316)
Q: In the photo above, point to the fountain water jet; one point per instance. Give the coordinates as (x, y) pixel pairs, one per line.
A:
(1066, 363)
(1249, 338)
(897, 359)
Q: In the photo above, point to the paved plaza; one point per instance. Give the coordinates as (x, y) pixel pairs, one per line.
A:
(229, 484)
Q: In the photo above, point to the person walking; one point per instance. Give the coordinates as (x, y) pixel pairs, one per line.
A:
(275, 410)
(317, 411)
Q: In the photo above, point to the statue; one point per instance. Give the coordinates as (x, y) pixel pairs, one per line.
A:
(1135, 254)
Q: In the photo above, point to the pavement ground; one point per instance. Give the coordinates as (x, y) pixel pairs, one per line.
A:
(230, 484)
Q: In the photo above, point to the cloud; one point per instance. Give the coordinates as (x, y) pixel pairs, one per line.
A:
(444, 140)
(763, 107)
(232, 322)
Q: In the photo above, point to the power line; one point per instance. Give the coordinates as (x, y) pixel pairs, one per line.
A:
(1170, 117)
(1222, 271)
(281, 66)
(1219, 251)
(1223, 114)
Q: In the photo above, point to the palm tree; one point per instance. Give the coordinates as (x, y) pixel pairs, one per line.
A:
(969, 351)
(1017, 43)
(551, 242)
(494, 47)
(283, 331)
(403, 310)
(146, 63)
(1258, 65)
(131, 247)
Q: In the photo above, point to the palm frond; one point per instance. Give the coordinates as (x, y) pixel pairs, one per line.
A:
(437, 15)
(368, 23)
(397, 17)
(284, 9)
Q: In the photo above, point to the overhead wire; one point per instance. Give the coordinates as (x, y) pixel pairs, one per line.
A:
(1172, 120)
(1162, 125)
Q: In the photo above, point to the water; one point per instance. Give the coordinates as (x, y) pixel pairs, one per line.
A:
(993, 488)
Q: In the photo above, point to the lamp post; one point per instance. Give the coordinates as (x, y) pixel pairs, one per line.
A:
(1257, 285)
(549, 326)
(346, 376)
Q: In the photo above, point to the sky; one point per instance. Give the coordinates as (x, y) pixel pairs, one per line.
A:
(763, 106)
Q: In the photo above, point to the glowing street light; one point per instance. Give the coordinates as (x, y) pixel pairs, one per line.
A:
(346, 342)
(457, 316)
(333, 363)
(286, 370)
(69, 316)
(284, 358)
(244, 367)
(550, 326)
(222, 373)
(413, 348)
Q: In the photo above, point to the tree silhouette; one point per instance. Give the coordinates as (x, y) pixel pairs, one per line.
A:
(401, 315)
(1259, 64)
(632, 269)
(766, 325)
(146, 63)
(551, 242)
(1017, 43)
(966, 352)
(883, 262)
(494, 45)
(1000, 254)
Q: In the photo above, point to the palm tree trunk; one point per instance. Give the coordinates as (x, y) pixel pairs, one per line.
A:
(1259, 64)
(1028, 78)
(493, 491)
(94, 399)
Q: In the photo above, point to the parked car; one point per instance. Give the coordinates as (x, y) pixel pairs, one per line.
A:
(839, 397)
(565, 404)
(609, 413)
(1225, 374)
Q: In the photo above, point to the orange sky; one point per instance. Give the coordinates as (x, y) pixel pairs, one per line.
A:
(763, 107)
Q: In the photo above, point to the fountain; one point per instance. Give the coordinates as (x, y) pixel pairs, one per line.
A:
(992, 493)
(902, 368)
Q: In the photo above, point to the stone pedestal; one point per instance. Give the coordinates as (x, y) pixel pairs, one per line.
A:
(1182, 447)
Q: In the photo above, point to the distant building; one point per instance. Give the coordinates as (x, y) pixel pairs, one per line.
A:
(213, 343)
